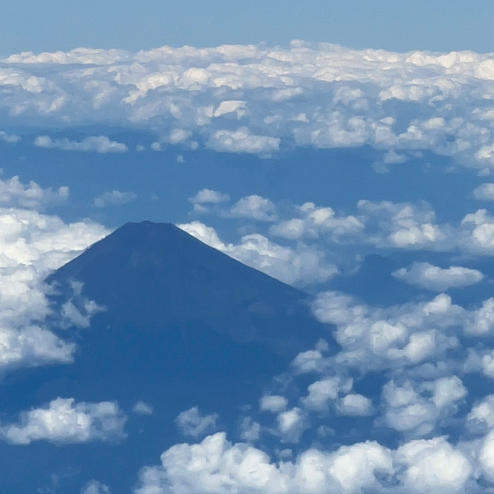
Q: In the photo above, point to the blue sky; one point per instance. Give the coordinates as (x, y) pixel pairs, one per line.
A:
(354, 163)
(441, 25)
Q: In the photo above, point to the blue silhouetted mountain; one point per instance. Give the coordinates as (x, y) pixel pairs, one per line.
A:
(182, 325)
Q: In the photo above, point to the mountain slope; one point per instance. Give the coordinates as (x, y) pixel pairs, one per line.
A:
(182, 325)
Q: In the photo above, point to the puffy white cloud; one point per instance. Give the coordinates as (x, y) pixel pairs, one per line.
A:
(416, 408)
(397, 336)
(113, 198)
(481, 417)
(250, 430)
(65, 421)
(280, 95)
(314, 221)
(254, 207)
(242, 141)
(323, 393)
(433, 466)
(484, 192)
(216, 466)
(291, 425)
(192, 423)
(209, 196)
(9, 138)
(95, 487)
(273, 403)
(477, 234)
(355, 404)
(486, 457)
(142, 408)
(301, 265)
(438, 279)
(98, 144)
(16, 194)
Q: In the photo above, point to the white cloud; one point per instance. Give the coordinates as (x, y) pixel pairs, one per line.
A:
(438, 279)
(281, 95)
(250, 430)
(9, 138)
(480, 418)
(242, 141)
(301, 264)
(355, 404)
(323, 393)
(95, 487)
(433, 466)
(192, 423)
(254, 207)
(273, 403)
(16, 194)
(209, 196)
(216, 466)
(484, 192)
(65, 421)
(313, 221)
(291, 425)
(142, 408)
(113, 198)
(98, 144)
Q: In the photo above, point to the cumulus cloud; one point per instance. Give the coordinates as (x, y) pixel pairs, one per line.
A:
(14, 193)
(313, 221)
(95, 487)
(355, 404)
(97, 144)
(254, 207)
(31, 245)
(142, 408)
(273, 403)
(323, 393)
(217, 466)
(209, 196)
(291, 425)
(113, 198)
(416, 408)
(192, 423)
(9, 138)
(484, 192)
(438, 279)
(259, 99)
(65, 421)
(299, 265)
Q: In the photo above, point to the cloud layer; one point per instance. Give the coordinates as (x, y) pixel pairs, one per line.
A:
(259, 99)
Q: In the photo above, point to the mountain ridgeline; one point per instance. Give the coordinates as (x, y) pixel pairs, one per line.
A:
(182, 325)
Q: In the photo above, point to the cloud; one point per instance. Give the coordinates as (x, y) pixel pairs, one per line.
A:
(242, 141)
(142, 408)
(9, 138)
(217, 466)
(416, 408)
(301, 264)
(438, 279)
(273, 403)
(95, 487)
(254, 207)
(192, 423)
(260, 99)
(313, 221)
(209, 196)
(323, 393)
(480, 419)
(16, 194)
(484, 192)
(97, 144)
(291, 425)
(65, 421)
(31, 245)
(113, 198)
(355, 405)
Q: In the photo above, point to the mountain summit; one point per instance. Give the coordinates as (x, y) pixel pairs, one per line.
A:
(181, 325)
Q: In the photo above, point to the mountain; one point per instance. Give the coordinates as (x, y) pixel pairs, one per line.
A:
(181, 325)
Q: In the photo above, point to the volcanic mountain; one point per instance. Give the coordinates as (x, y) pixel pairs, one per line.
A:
(179, 324)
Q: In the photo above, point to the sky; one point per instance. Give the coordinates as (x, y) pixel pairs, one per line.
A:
(441, 25)
(345, 149)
